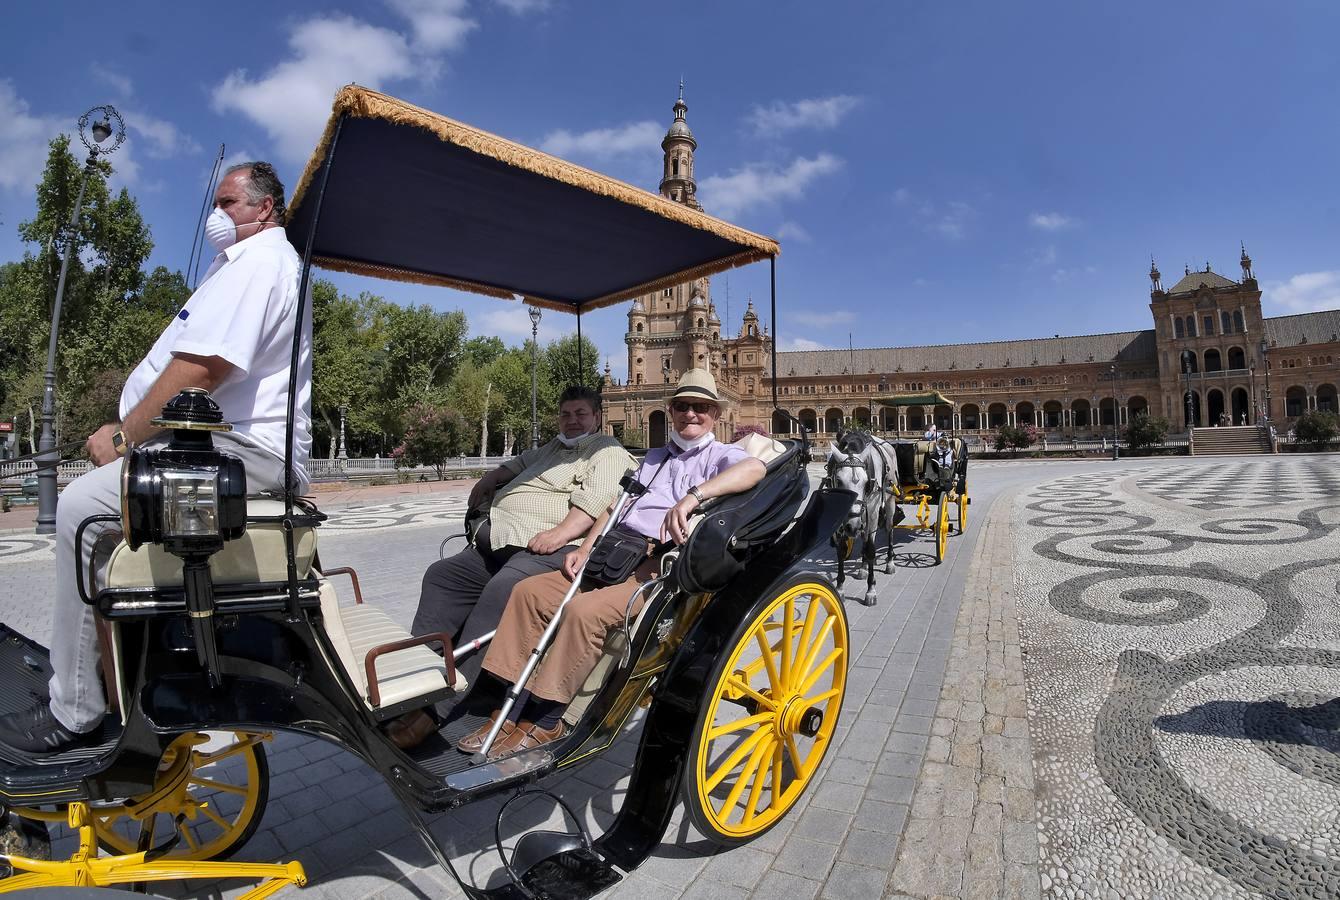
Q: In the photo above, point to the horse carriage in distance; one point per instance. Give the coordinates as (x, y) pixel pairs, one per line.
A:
(216, 639)
(932, 475)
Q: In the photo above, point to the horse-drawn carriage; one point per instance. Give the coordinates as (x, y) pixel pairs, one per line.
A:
(215, 640)
(931, 474)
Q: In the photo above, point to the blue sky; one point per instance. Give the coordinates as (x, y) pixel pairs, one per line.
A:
(936, 172)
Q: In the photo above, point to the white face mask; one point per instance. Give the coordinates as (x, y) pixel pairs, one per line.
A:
(684, 443)
(571, 442)
(221, 231)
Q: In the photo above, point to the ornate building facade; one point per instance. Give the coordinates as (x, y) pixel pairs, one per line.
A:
(1211, 357)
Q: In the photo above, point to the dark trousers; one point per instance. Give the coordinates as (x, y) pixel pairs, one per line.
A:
(465, 595)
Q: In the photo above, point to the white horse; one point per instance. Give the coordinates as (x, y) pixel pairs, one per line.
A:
(867, 466)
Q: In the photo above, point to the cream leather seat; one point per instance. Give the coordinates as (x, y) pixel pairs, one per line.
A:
(406, 678)
(257, 556)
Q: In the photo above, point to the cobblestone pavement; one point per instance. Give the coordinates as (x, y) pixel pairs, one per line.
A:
(926, 791)
(1182, 654)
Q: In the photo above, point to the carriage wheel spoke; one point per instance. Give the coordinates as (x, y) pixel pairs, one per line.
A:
(794, 752)
(776, 776)
(756, 788)
(746, 775)
(788, 635)
(185, 831)
(803, 645)
(214, 817)
(745, 722)
(820, 698)
(815, 647)
(821, 669)
(218, 785)
(209, 759)
(745, 748)
(774, 681)
(147, 828)
(740, 685)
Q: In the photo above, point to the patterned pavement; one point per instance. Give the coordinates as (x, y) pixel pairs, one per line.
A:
(1182, 660)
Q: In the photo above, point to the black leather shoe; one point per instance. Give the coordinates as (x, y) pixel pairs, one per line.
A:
(36, 730)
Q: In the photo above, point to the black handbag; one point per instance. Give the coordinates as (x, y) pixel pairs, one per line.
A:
(615, 557)
(618, 553)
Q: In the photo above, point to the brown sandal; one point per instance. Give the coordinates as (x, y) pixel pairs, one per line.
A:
(473, 741)
(525, 737)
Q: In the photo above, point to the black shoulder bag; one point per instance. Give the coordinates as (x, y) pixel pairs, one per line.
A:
(619, 552)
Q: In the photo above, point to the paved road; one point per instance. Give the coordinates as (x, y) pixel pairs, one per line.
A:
(918, 763)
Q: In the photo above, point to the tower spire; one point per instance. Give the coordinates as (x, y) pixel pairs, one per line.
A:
(677, 182)
(1154, 275)
(1246, 262)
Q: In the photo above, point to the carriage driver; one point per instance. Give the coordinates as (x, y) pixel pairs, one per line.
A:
(696, 467)
(234, 337)
(540, 505)
(940, 466)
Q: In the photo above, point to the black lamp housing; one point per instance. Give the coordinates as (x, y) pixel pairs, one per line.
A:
(187, 496)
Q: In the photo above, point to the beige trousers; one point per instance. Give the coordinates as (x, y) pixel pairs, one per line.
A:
(580, 638)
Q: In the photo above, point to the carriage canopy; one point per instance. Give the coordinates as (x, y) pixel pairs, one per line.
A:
(924, 398)
(411, 195)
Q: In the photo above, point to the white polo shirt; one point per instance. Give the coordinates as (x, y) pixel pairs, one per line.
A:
(244, 312)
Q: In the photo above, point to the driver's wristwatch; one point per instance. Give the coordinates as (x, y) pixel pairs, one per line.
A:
(119, 442)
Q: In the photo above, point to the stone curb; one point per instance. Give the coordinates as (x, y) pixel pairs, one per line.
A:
(972, 829)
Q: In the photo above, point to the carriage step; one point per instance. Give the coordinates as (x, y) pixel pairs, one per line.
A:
(568, 875)
(25, 669)
(552, 865)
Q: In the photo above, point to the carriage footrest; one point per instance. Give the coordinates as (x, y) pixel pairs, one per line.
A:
(569, 875)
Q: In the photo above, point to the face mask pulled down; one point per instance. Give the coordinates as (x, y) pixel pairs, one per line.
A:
(685, 444)
(571, 442)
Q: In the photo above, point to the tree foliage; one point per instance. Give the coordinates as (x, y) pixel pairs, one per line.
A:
(1015, 437)
(433, 436)
(1145, 432)
(1317, 427)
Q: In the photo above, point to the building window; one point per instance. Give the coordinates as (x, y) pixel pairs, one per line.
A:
(1179, 330)
(1209, 325)
(1237, 322)
(1225, 323)
(1190, 326)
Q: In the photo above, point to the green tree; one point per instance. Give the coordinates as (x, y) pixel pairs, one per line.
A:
(422, 349)
(1145, 432)
(432, 437)
(471, 394)
(348, 340)
(483, 350)
(1015, 438)
(111, 311)
(510, 376)
(1317, 427)
(561, 363)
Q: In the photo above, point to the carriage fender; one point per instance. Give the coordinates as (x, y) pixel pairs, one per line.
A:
(654, 789)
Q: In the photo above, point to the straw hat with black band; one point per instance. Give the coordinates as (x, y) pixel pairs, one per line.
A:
(697, 384)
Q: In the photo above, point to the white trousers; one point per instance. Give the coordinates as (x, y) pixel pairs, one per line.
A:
(77, 697)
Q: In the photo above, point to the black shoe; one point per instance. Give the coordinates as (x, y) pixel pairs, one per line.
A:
(36, 730)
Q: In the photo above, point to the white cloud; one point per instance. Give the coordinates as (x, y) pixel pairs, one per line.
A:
(760, 184)
(823, 319)
(800, 344)
(793, 231)
(1052, 221)
(818, 113)
(120, 84)
(23, 140)
(604, 143)
(513, 321)
(1307, 292)
(1046, 256)
(291, 101)
(438, 25)
(523, 7)
(949, 219)
(161, 138)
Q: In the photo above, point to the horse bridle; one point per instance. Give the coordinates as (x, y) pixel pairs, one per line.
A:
(853, 461)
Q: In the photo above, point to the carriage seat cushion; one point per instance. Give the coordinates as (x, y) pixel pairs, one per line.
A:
(401, 676)
(761, 447)
(257, 556)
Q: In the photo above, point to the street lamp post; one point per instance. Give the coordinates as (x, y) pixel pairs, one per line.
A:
(1256, 409)
(534, 369)
(1266, 362)
(1116, 417)
(344, 452)
(106, 133)
(1186, 381)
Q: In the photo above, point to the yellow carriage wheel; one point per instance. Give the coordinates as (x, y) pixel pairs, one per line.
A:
(962, 512)
(942, 528)
(769, 716)
(211, 792)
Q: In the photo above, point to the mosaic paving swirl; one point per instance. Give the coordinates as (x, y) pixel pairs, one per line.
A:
(1183, 671)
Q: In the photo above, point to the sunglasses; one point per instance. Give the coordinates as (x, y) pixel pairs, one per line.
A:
(683, 406)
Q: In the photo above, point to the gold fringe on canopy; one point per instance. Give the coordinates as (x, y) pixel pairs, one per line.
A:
(360, 102)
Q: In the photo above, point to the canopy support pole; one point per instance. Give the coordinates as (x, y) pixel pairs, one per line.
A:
(581, 365)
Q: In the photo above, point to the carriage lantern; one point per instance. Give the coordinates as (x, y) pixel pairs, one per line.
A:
(191, 499)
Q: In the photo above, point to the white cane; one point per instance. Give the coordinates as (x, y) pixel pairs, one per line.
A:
(631, 487)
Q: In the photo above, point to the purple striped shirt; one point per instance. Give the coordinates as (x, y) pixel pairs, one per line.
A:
(682, 470)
